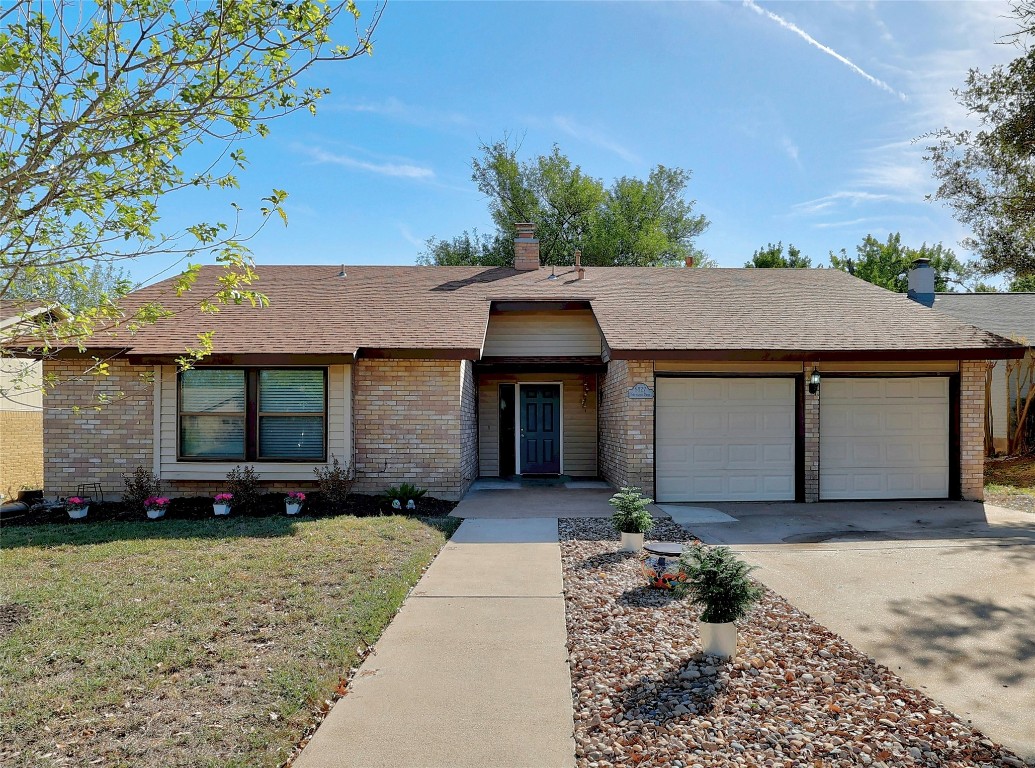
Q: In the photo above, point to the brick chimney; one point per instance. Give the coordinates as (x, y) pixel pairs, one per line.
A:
(526, 247)
(580, 273)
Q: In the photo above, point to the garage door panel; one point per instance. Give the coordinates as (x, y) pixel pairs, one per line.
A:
(884, 438)
(740, 442)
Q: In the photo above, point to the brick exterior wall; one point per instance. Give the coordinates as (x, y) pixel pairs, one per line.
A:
(96, 446)
(626, 427)
(972, 429)
(410, 426)
(21, 451)
(811, 441)
(468, 425)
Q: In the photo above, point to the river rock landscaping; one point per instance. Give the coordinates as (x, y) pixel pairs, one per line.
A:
(796, 695)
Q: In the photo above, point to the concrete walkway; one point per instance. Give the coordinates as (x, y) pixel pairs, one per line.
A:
(473, 671)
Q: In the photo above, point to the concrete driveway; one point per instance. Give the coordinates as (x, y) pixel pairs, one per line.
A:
(943, 593)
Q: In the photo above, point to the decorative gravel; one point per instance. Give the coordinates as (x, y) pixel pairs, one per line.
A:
(797, 694)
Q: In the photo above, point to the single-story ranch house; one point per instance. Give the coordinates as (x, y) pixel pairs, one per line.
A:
(693, 384)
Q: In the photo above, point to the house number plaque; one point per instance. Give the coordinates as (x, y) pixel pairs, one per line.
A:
(641, 392)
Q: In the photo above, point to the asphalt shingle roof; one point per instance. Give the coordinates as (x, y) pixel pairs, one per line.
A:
(314, 311)
(1008, 314)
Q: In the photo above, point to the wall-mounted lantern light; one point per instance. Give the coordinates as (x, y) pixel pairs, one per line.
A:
(814, 382)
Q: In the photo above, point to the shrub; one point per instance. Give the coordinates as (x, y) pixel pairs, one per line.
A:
(140, 486)
(718, 581)
(243, 485)
(336, 483)
(404, 492)
(631, 514)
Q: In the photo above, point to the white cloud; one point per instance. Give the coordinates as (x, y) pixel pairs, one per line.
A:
(594, 136)
(401, 111)
(409, 237)
(852, 198)
(824, 48)
(398, 170)
(790, 148)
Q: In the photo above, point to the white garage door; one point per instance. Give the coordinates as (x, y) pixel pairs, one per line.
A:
(725, 439)
(884, 438)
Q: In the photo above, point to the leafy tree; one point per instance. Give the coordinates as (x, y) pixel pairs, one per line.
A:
(100, 104)
(1022, 284)
(985, 288)
(772, 256)
(634, 222)
(887, 264)
(78, 288)
(987, 176)
(467, 249)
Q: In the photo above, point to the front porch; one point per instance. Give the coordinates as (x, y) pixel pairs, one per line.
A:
(538, 420)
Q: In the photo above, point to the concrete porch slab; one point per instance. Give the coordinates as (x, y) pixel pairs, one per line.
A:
(532, 502)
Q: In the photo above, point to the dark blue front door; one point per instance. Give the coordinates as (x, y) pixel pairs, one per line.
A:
(540, 429)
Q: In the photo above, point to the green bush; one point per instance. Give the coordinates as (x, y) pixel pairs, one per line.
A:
(243, 483)
(631, 514)
(140, 486)
(718, 581)
(404, 492)
(336, 483)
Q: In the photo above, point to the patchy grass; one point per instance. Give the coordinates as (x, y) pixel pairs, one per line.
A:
(1013, 473)
(200, 643)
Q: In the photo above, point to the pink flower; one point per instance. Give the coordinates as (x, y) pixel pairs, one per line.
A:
(156, 502)
(224, 498)
(75, 502)
(296, 497)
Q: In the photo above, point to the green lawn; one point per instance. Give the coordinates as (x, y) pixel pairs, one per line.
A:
(201, 643)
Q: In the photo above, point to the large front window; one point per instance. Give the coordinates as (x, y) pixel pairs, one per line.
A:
(253, 414)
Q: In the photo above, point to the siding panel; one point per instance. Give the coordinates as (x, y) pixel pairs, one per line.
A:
(542, 334)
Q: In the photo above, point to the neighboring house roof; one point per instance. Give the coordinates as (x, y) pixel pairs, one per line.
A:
(1008, 314)
(642, 312)
(14, 311)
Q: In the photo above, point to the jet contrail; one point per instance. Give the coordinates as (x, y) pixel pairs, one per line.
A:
(829, 51)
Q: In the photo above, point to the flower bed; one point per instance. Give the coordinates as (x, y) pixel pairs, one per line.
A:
(796, 695)
(269, 504)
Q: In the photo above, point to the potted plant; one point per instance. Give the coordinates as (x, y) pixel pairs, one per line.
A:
(221, 504)
(77, 507)
(294, 501)
(631, 517)
(715, 579)
(404, 495)
(155, 507)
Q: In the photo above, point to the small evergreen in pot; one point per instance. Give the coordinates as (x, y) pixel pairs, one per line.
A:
(631, 517)
(716, 580)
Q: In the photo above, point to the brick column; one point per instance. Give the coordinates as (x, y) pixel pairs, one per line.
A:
(626, 432)
(972, 429)
(812, 427)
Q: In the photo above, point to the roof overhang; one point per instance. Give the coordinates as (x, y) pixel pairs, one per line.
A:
(814, 355)
(435, 353)
(246, 359)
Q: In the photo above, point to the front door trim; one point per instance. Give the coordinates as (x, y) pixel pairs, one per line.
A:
(517, 421)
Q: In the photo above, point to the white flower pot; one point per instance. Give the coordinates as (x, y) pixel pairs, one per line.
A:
(78, 514)
(718, 639)
(292, 509)
(632, 542)
(221, 509)
(154, 514)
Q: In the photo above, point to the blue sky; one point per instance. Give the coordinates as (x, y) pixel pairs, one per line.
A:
(796, 119)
